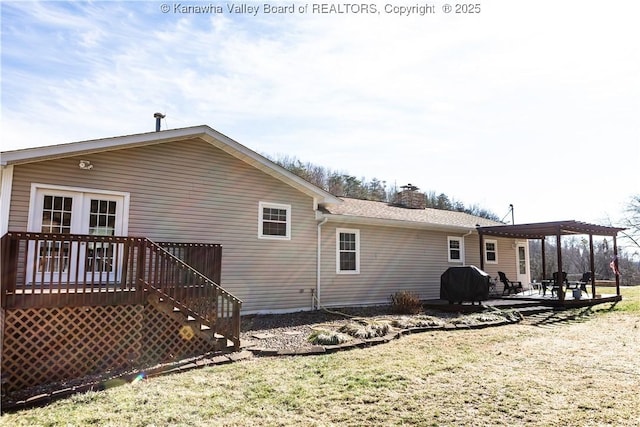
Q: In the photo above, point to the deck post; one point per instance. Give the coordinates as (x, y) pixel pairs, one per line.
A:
(8, 266)
(236, 325)
(140, 269)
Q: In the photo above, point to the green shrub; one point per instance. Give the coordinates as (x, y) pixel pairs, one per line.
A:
(405, 302)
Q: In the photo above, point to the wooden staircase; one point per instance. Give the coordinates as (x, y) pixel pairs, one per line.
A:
(189, 319)
(185, 294)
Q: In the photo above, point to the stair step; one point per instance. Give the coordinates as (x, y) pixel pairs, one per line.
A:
(165, 304)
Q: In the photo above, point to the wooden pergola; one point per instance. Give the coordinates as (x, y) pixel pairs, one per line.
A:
(557, 228)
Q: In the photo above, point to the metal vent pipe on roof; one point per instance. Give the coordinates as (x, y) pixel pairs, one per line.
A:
(158, 116)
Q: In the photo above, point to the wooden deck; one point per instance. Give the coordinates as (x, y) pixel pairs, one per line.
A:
(524, 299)
(569, 300)
(73, 304)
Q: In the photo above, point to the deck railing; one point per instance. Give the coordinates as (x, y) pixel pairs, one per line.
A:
(56, 270)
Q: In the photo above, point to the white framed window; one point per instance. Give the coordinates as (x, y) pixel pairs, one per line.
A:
(455, 248)
(347, 251)
(274, 221)
(491, 251)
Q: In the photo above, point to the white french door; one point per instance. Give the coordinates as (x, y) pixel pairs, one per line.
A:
(522, 259)
(75, 212)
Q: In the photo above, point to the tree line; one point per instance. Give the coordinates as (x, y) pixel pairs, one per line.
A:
(576, 259)
(343, 184)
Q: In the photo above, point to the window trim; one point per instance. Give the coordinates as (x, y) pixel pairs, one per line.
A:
(355, 232)
(460, 249)
(486, 258)
(287, 208)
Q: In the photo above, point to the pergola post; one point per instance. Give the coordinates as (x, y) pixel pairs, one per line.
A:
(592, 266)
(615, 265)
(560, 275)
(544, 259)
(481, 251)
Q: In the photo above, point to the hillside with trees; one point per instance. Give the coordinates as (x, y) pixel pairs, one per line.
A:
(575, 251)
(343, 184)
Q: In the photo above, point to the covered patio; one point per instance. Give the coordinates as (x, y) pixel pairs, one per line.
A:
(558, 229)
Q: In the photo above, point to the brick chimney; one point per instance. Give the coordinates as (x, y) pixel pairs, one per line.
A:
(410, 198)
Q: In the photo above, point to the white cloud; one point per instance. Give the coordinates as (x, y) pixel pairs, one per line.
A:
(525, 103)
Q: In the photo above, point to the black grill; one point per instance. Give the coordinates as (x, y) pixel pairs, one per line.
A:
(464, 284)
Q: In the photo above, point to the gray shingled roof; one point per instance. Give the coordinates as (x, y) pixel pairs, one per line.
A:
(384, 211)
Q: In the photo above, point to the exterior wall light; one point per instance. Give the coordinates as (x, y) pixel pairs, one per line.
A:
(85, 165)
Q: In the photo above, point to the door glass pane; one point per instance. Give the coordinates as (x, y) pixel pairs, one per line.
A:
(56, 214)
(102, 217)
(102, 222)
(522, 265)
(56, 218)
(53, 257)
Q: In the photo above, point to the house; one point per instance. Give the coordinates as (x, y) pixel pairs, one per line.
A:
(144, 248)
(280, 234)
(129, 251)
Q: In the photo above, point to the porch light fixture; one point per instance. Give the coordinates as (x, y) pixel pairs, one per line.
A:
(85, 165)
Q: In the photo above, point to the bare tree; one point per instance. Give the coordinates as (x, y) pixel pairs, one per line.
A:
(632, 220)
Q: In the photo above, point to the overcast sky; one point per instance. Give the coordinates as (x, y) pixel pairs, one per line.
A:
(530, 103)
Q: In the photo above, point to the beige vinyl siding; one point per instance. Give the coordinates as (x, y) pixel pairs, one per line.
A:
(398, 259)
(391, 259)
(506, 258)
(189, 191)
(507, 261)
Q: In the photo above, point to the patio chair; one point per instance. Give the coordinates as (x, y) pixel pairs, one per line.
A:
(509, 286)
(558, 282)
(584, 280)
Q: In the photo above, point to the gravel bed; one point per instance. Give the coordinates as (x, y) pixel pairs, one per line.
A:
(291, 331)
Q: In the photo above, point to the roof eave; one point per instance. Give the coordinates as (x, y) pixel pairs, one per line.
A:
(204, 132)
(383, 222)
(38, 154)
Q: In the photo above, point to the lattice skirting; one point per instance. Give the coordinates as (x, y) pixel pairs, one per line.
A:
(46, 345)
(165, 340)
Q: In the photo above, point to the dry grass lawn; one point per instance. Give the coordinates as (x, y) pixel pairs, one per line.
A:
(575, 372)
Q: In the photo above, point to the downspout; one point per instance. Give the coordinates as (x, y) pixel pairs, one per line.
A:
(464, 248)
(319, 265)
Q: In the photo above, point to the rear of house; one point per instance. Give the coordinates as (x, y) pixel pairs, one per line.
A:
(281, 236)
